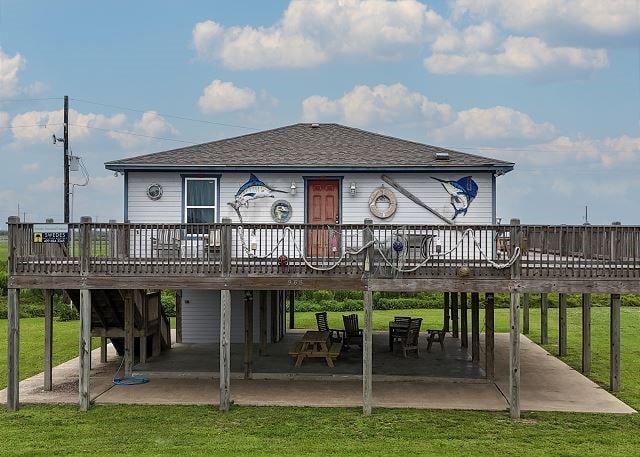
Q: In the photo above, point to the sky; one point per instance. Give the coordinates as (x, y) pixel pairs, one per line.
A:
(552, 85)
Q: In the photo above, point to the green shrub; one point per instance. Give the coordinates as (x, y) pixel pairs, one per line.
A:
(68, 313)
(4, 278)
(168, 301)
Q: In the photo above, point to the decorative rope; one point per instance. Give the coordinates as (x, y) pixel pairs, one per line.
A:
(468, 233)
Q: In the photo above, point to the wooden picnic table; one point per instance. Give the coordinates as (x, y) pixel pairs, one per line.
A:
(315, 343)
(396, 329)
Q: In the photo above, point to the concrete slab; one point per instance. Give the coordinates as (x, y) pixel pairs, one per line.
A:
(549, 384)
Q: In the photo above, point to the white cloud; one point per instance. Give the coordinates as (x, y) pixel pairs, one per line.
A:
(222, 96)
(48, 184)
(473, 38)
(4, 119)
(364, 105)
(150, 124)
(520, 55)
(573, 20)
(312, 32)
(38, 126)
(9, 80)
(106, 184)
(496, 123)
(31, 167)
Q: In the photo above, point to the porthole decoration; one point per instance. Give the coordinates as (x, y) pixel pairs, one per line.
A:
(383, 203)
(281, 211)
(154, 191)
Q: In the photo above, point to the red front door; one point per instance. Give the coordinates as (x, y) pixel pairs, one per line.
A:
(323, 196)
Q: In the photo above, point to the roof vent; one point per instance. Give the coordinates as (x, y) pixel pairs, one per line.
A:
(442, 155)
(315, 125)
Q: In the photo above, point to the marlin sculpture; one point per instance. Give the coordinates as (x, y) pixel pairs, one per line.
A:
(252, 190)
(462, 192)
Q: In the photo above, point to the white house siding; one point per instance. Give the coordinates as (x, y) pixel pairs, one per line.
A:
(201, 316)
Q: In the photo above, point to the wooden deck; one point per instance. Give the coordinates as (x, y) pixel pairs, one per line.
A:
(361, 257)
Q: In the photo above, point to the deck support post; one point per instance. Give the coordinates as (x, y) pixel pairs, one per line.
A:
(514, 334)
(273, 300)
(586, 333)
(248, 334)
(129, 341)
(464, 324)
(85, 349)
(447, 312)
(562, 325)
(179, 316)
(225, 349)
(525, 313)
(292, 309)
(489, 336)
(13, 349)
(544, 319)
(454, 314)
(475, 327)
(614, 332)
(104, 343)
(367, 354)
(48, 339)
(263, 322)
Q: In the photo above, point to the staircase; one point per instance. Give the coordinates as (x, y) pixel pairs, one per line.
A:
(151, 324)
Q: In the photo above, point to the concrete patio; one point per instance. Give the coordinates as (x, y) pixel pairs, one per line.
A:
(187, 375)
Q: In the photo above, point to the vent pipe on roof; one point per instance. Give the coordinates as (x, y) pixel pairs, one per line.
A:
(442, 156)
(315, 125)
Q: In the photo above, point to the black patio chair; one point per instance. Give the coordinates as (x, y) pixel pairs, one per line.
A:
(410, 341)
(323, 326)
(352, 333)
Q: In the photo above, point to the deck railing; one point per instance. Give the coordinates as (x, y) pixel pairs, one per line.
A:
(344, 250)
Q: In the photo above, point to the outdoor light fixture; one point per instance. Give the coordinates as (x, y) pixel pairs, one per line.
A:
(293, 188)
(353, 188)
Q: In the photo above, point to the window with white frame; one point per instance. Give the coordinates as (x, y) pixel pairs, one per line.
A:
(200, 200)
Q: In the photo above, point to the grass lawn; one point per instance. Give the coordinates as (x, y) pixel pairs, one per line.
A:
(201, 430)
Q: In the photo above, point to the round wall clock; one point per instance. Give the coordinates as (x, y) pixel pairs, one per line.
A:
(281, 211)
(154, 191)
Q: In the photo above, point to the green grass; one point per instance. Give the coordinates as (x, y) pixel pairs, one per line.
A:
(202, 430)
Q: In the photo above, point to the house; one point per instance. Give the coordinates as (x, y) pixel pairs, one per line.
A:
(302, 174)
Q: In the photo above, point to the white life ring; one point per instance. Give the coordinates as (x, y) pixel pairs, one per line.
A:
(383, 194)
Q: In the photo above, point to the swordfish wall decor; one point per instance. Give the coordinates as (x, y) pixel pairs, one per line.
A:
(252, 190)
(462, 192)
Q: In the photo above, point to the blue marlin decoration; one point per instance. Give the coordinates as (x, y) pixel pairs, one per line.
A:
(252, 190)
(462, 192)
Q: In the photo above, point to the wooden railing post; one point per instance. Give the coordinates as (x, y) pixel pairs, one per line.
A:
(85, 244)
(225, 247)
(615, 242)
(13, 240)
(514, 334)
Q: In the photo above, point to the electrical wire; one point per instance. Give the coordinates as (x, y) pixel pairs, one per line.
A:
(127, 132)
(173, 116)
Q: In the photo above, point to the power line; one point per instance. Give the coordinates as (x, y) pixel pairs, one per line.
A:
(126, 132)
(9, 100)
(190, 119)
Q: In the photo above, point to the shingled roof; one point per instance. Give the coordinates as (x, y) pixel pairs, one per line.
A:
(309, 146)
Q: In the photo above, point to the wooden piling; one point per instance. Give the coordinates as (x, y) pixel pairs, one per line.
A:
(489, 337)
(514, 334)
(475, 327)
(464, 324)
(447, 312)
(562, 325)
(367, 354)
(13, 349)
(586, 333)
(104, 343)
(48, 339)
(525, 314)
(129, 341)
(614, 355)
(225, 349)
(263, 322)
(85, 349)
(544, 319)
(248, 334)
(292, 309)
(454, 314)
(179, 316)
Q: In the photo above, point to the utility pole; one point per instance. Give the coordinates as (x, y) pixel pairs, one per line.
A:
(66, 159)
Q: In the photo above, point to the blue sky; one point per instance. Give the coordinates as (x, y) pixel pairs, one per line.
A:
(552, 85)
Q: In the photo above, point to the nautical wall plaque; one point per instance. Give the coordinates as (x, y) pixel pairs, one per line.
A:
(154, 191)
(281, 211)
